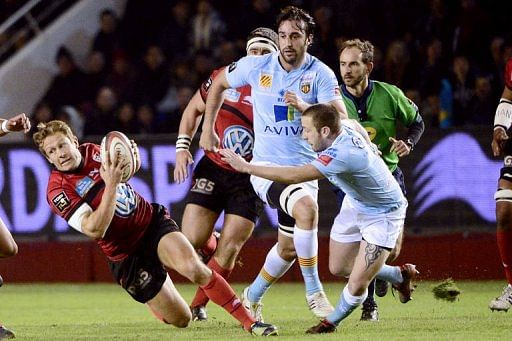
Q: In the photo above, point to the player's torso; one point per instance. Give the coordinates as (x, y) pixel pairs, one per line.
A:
(365, 177)
(377, 113)
(277, 126)
(132, 213)
(234, 125)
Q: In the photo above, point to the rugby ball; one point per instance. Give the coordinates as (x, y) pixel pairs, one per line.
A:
(116, 143)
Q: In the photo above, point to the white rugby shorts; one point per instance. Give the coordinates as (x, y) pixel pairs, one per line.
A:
(351, 225)
(261, 185)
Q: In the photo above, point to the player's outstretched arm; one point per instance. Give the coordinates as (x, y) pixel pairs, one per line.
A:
(209, 138)
(19, 122)
(286, 175)
(95, 223)
(190, 120)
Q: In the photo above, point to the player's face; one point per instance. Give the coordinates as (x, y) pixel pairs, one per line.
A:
(258, 51)
(352, 69)
(62, 152)
(293, 42)
(312, 135)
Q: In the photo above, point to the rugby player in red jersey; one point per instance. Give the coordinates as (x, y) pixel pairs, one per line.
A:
(139, 239)
(501, 146)
(8, 246)
(217, 186)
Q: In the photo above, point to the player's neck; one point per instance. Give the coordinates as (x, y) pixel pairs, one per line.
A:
(290, 67)
(358, 89)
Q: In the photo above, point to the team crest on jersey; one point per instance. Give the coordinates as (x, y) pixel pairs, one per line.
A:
(324, 159)
(305, 88)
(126, 200)
(61, 201)
(265, 81)
(239, 139)
(372, 132)
(306, 81)
(96, 157)
(83, 186)
(232, 95)
(357, 142)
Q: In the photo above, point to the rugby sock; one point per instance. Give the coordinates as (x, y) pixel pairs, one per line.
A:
(273, 269)
(345, 306)
(219, 291)
(391, 274)
(200, 299)
(209, 247)
(306, 246)
(504, 239)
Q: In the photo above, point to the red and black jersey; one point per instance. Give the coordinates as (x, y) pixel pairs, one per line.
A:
(67, 192)
(508, 74)
(234, 122)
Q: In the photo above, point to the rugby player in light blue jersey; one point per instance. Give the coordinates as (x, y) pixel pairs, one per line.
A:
(283, 85)
(371, 216)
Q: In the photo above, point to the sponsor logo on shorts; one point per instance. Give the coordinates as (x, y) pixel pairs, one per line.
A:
(507, 161)
(142, 279)
(61, 201)
(203, 186)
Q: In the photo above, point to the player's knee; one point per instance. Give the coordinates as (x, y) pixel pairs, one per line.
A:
(339, 271)
(287, 252)
(11, 249)
(181, 322)
(305, 212)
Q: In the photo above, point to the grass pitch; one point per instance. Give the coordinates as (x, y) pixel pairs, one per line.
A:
(106, 312)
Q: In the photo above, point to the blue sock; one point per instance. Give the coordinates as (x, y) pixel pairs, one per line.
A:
(345, 306)
(273, 269)
(306, 246)
(390, 274)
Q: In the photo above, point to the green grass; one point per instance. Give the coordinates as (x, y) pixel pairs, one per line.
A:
(106, 312)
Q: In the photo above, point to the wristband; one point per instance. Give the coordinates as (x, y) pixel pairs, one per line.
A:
(4, 127)
(183, 142)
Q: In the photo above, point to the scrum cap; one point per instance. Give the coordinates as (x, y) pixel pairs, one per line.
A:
(262, 37)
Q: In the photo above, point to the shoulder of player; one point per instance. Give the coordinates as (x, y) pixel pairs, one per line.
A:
(390, 89)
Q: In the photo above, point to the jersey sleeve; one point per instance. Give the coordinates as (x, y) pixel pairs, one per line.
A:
(508, 74)
(329, 163)
(237, 73)
(407, 109)
(65, 202)
(328, 88)
(205, 87)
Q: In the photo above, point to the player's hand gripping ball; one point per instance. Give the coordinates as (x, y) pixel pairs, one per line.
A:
(116, 143)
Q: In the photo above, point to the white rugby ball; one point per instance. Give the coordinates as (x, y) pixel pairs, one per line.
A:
(116, 143)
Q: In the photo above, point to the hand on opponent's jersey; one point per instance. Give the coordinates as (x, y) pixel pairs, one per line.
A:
(209, 141)
(236, 161)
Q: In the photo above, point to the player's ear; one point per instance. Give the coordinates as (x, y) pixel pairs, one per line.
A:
(325, 131)
(369, 67)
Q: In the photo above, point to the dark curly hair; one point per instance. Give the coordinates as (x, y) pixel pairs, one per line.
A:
(297, 14)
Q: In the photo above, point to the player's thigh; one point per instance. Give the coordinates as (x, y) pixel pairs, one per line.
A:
(197, 224)
(342, 256)
(170, 306)
(176, 252)
(8, 246)
(235, 232)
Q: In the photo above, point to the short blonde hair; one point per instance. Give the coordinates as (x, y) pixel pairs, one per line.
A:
(45, 129)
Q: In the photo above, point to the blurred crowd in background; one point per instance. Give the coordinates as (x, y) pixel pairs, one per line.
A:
(142, 68)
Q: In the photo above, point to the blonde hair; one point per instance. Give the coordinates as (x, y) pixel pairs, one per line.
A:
(45, 129)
